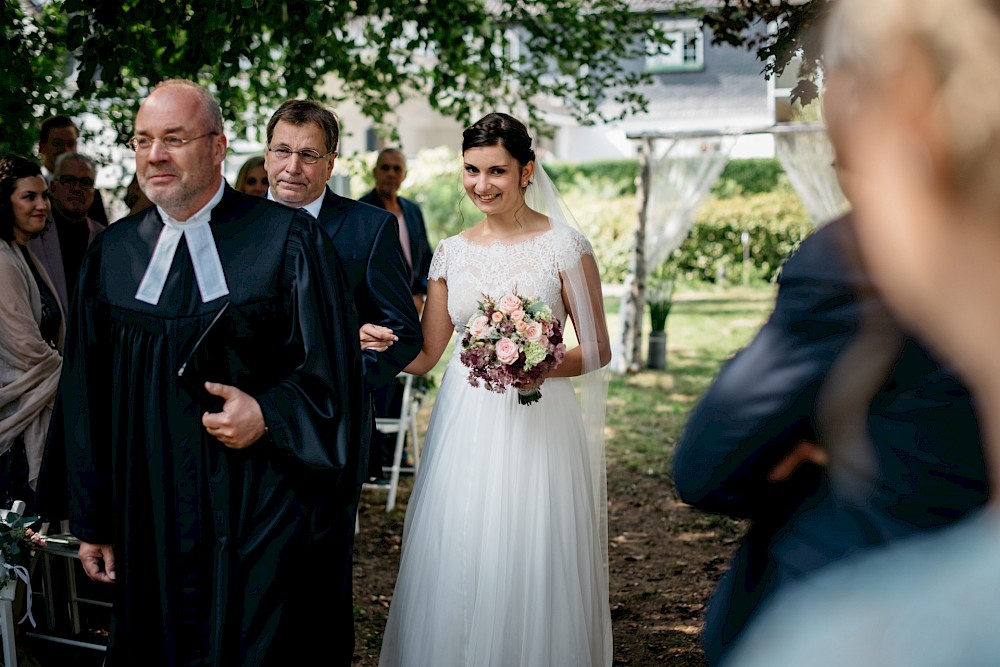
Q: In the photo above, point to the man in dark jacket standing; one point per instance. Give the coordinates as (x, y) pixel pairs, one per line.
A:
(302, 138)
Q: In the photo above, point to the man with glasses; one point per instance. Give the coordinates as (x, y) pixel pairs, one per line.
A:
(58, 135)
(214, 524)
(70, 229)
(302, 140)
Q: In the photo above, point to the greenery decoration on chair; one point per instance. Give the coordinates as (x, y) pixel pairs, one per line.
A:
(15, 543)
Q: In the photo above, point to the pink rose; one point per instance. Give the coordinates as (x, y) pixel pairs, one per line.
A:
(517, 315)
(533, 332)
(497, 316)
(507, 352)
(478, 325)
(509, 304)
(520, 326)
(543, 341)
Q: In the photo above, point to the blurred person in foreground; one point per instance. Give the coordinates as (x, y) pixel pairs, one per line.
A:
(60, 246)
(57, 135)
(213, 524)
(832, 432)
(31, 331)
(252, 178)
(835, 431)
(912, 104)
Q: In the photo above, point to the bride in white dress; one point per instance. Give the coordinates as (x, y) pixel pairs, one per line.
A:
(504, 559)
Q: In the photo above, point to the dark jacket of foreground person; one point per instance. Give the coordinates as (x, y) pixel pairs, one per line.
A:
(831, 367)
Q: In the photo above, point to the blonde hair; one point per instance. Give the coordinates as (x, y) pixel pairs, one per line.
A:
(961, 39)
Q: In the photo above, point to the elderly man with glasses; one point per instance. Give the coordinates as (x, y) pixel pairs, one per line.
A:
(61, 245)
(58, 135)
(206, 505)
(302, 140)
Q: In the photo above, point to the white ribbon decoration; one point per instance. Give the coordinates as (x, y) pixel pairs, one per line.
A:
(21, 573)
(201, 246)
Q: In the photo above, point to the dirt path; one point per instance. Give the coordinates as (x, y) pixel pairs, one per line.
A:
(664, 561)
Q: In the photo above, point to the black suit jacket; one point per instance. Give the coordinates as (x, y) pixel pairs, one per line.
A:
(912, 462)
(367, 240)
(420, 247)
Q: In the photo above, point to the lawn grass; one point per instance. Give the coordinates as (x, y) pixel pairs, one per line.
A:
(647, 410)
(665, 557)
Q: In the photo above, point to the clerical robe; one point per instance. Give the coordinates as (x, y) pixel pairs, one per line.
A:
(220, 553)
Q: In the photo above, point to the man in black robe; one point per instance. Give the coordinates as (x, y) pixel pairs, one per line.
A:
(214, 528)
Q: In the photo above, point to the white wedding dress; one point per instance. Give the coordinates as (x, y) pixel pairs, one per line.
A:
(502, 562)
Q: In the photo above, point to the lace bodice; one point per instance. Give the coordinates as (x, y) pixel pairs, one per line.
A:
(530, 267)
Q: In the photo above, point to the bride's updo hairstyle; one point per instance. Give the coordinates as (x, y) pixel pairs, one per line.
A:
(499, 128)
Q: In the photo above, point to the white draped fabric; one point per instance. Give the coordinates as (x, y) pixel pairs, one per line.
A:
(680, 180)
(682, 170)
(807, 157)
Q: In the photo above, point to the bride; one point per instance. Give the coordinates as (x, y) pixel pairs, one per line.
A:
(504, 556)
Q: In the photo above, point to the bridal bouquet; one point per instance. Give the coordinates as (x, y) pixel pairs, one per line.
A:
(511, 342)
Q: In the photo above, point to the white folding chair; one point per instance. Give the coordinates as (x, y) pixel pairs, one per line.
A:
(405, 422)
(7, 606)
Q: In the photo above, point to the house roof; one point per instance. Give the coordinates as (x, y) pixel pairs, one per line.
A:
(652, 6)
(643, 6)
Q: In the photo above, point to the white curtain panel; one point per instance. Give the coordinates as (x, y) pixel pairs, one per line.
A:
(680, 181)
(807, 157)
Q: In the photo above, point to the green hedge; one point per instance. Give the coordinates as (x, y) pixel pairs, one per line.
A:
(616, 178)
(606, 178)
(751, 195)
(750, 177)
(713, 251)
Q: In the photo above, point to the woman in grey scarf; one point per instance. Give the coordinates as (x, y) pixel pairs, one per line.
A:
(31, 331)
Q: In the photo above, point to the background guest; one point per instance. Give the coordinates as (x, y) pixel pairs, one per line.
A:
(58, 135)
(70, 229)
(31, 331)
(252, 178)
(389, 173)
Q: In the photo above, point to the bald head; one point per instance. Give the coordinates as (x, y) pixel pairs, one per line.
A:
(181, 169)
(389, 172)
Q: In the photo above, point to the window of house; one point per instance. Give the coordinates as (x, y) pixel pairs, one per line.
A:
(686, 52)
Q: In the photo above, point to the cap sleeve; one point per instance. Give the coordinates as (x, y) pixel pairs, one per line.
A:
(439, 263)
(572, 246)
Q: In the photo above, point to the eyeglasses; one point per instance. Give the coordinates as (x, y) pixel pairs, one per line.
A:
(170, 143)
(70, 181)
(308, 156)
